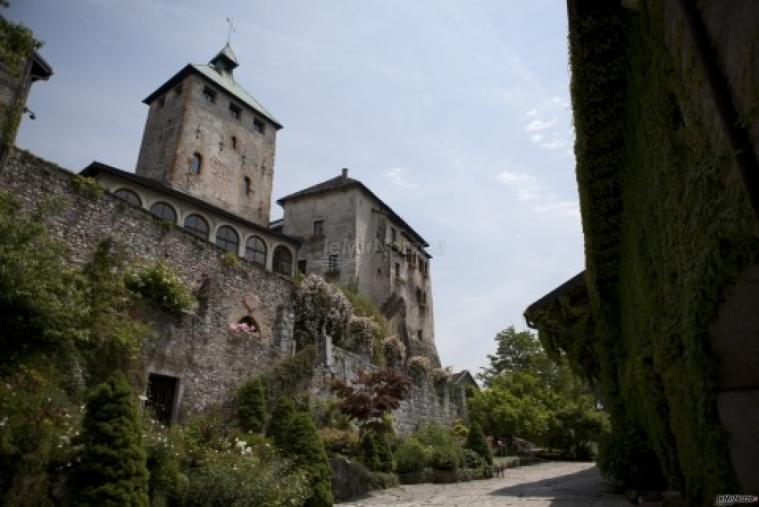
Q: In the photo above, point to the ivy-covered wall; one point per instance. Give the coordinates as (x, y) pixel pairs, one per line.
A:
(668, 229)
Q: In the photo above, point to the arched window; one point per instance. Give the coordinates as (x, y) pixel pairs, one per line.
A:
(227, 238)
(197, 225)
(196, 163)
(282, 261)
(164, 211)
(128, 196)
(255, 250)
(251, 323)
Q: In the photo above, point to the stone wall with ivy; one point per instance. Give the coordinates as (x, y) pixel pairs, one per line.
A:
(668, 230)
(198, 346)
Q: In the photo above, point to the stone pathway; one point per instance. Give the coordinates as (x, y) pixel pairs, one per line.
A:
(555, 484)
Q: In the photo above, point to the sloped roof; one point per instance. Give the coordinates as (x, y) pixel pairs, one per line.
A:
(573, 286)
(225, 81)
(344, 182)
(97, 167)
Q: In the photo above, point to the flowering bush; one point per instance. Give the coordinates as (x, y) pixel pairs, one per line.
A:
(419, 366)
(394, 349)
(362, 333)
(321, 307)
(159, 284)
(441, 375)
(242, 328)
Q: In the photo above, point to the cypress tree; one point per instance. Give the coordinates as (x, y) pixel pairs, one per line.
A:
(111, 469)
(476, 441)
(279, 423)
(306, 449)
(251, 406)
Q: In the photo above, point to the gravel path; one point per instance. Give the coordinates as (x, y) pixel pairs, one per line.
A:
(555, 484)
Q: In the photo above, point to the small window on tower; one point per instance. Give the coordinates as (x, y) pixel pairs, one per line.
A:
(161, 101)
(196, 163)
(319, 229)
(259, 126)
(178, 89)
(419, 335)
(234, 142)
(302, 267)
(247, 185)
(235, 111)
(209, 95)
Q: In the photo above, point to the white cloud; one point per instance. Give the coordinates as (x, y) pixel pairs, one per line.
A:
(537, 124)
(397, 175)
(529, 189)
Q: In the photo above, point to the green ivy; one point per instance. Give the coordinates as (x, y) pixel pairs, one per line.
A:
(87, 187)
(665, 233)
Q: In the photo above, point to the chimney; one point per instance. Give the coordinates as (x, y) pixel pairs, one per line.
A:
(345, 172)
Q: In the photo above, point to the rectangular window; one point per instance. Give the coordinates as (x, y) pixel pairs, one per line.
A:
(419, 335)
(259, 126)
(161, 396)
(333, 262)
(178, 89)
(209, 95)
(302, 267)
(397, 269)
(393, 234)
(235, 111)
(161, 101)
(319, 229)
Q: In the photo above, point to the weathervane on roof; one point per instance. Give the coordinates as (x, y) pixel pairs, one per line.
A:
(231, 30)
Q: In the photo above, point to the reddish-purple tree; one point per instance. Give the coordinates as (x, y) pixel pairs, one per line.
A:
(372, 395)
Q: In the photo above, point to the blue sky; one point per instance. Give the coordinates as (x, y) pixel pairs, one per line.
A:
(455, 112)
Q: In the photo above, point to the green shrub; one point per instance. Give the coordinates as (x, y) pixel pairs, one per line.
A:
(251, 406)
(298, 439)
(375, 452)
(160, 285)
(37, 421)
(383, 480)
(165, 450)
(476, 441)
(278, 428)
(43, 303)
(87, 187)
(227, 479)
(445, 458)
(338, 441)
(410, 457)
(111, 468)
(626, 459)
(471, 459)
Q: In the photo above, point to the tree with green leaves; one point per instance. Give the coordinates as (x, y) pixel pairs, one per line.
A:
(294, 434)
(111, 469)
(251, 406)
(530, 396)
(476, 441)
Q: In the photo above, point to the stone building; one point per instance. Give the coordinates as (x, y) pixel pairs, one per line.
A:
(350, 236)
(200, 202)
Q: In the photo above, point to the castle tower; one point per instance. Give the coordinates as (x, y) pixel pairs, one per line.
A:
(206, 136)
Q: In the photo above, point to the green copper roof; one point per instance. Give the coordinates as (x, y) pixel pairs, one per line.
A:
(228, 84)
(222, 79)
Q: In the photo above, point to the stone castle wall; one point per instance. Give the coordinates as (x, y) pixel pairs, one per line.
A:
(195, 347)
(426, 401)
